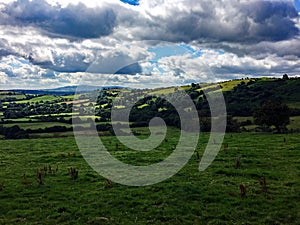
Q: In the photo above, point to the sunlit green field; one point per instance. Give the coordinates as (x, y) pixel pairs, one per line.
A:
(294, 122)
(229, 85)
(190, 197)
(45, 98)
(16, 96)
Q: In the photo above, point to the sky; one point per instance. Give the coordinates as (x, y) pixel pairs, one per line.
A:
(145, 43)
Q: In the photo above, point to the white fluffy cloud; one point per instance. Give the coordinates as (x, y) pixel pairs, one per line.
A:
(3, 78)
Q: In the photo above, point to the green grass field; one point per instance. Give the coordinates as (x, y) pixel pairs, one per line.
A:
(22, 120)
(294, 122)
(229, 85)
(294, 105)
(45, 98)
(70, 97)
(17, 96)
(190, 197)
(163, 91)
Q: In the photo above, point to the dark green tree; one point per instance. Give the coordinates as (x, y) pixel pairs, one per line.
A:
(273, 114)
(285, 77)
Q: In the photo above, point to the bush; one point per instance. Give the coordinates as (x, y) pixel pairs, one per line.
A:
(14, 132)
(103, 127)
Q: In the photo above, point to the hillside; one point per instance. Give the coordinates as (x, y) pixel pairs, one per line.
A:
(242, 97)
(246, 96)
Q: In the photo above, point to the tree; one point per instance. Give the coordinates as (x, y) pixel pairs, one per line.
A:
(14, 132)
(285, 77)
(273, 113)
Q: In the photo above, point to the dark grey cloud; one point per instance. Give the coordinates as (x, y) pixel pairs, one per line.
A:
(219, 21)
(72, 22)
(49, 74)
(272, 20)
(70, 67)
(4, 51)
(70, 64)
(130, 69)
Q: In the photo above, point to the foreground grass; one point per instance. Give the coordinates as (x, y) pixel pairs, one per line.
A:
(190, 197)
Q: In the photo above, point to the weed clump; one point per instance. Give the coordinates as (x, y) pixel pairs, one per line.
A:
(61, 210)
(263, 184)
(109, 183)
(40, 177)
(197, 155)
(50, 170)
(74, 173)
(238, 162)
(225, 147)
(243, 190)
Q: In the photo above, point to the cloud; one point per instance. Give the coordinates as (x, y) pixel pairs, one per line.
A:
(53, 42)
(72, 22)
(130, 69)
(54, 54)
(120, 60)
(214, 21)
(3, 78)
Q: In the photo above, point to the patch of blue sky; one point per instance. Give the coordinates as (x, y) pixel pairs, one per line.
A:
(18, 63)
(195, 53)
(177, 50)
(221, 52)
(173, 50)
(131, 2)
(167, 51)
(154, 67)
(297, 5)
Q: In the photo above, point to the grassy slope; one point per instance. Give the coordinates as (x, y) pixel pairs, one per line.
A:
(17, 96)
(294, 122)
(44, 98)
(229, 85)
(190, 197)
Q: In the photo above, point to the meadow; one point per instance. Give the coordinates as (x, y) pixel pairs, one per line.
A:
(189, 197)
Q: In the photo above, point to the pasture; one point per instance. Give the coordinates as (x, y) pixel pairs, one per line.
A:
(45, 98)
(190, 197)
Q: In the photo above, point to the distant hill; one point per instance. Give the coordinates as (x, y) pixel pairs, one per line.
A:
(67, 90)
